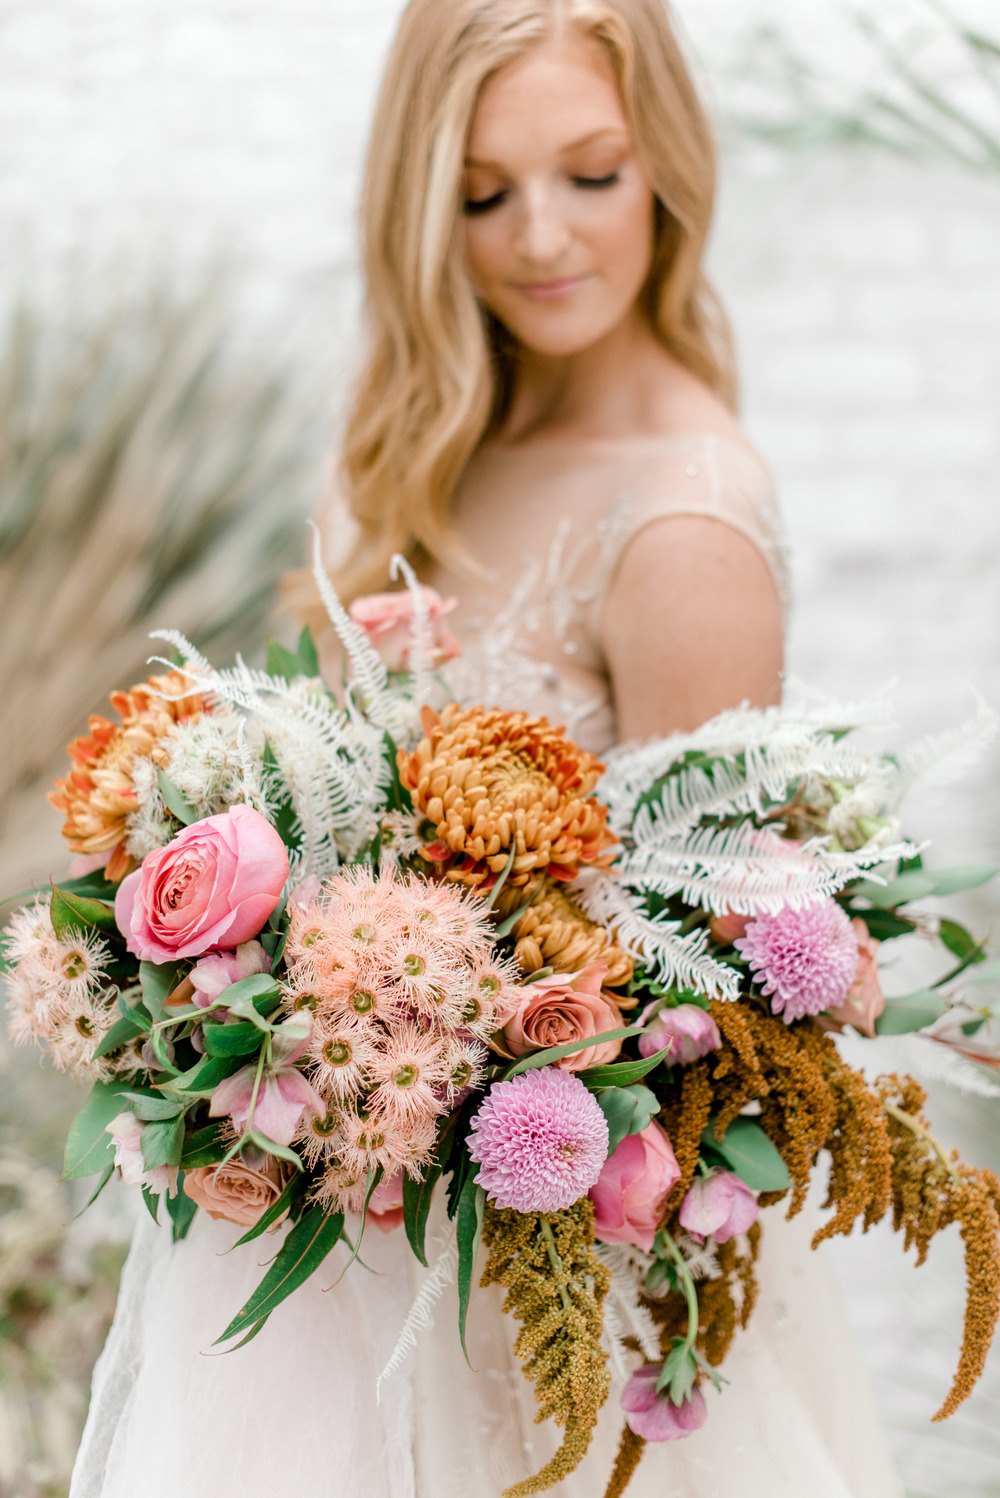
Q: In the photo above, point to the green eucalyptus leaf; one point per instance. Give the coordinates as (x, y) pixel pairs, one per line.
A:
(302, 1252)
(749, 1152)
(163, 1143)
(88, 1145)
(158, 981)
(908, 1012)
(121, 1032)
(554, 1052)
(468, 1229)
(417, 1197)
(182, 1210)
(271, 1147)
(286, 1202)
(174, 801)
(72, 913)
(205, 1146)
(308, 654)
(205, 1076)
(622, 1073)
(240, 1039)
(627, 1111)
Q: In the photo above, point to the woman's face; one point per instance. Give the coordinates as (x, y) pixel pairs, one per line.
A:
(558, 214)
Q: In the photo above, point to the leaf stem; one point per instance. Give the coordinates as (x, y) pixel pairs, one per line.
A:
(915, 1127)
(687, 1288)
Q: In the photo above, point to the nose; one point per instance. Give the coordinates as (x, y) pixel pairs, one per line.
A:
(542, 234)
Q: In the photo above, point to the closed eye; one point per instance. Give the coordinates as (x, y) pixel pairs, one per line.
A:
(472, 206)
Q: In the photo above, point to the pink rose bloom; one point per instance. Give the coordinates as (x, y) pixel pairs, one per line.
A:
(213, 975)
(632, 1187)
(726, 928)
(240, 1191)
(690, 1032)
(213, 886)
(865, 1000)
(654, 1416)
(387, 620)
(283, 1097)
(126, 1136)
(386, 1206)
(718, 1206)
(562, 1008)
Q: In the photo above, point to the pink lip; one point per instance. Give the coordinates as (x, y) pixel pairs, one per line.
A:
(545, 290)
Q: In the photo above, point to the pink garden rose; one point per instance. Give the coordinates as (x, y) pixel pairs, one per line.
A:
(654, 1416)
(689, 1030)
(240, 1191)
(385, 1209)
(213, 886)
(562, 1008)
(726, 928)
(718, 1206)
(387, 620)
(865, 1000)
(632, 1187)
(126, 1136)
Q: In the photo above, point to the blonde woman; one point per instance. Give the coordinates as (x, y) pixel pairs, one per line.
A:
(546, 423)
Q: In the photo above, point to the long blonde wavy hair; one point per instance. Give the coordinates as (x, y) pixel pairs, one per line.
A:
(438, 373)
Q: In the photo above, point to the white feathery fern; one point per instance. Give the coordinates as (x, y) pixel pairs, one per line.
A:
(944, 757)
(421, 650)
(624, 1314)
(330, 760)
(419, 1317)
(668, 955)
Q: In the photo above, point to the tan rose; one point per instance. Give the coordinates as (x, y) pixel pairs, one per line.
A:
(562, 1008)
(241, 1191)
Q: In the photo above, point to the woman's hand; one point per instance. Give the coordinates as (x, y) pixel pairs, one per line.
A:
(691, 625)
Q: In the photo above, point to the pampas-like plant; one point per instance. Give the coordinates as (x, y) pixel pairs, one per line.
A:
(148, 478)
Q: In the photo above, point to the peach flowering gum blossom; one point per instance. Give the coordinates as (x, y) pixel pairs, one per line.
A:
(687, 1029)
(387, 620)
(632, 1188)
(98, 795)
(126, 1136)
(503, 788)
(213, 886)
(240, 1191)
(562, 1008)
(718, 1206)
(865, 1000)
(654, 1416)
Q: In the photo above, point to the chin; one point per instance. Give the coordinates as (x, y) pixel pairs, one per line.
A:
(559, 336)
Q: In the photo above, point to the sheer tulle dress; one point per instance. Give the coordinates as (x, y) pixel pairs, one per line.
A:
(296, 1410)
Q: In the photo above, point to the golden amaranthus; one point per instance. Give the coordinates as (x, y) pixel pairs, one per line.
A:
(555, 1285)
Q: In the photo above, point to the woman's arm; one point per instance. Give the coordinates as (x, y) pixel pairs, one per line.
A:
(691, 624)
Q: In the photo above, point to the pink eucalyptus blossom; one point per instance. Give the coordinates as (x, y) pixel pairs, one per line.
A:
(283, 1097)
(214, 885)
(629, 1194)
(654, 1416)
(126, 1136)
(689, 1031)
(718, 1206)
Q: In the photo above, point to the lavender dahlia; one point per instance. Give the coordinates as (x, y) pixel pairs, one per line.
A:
(540, 1141)
(804, 959)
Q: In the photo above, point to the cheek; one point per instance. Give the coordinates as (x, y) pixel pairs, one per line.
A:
(626, 237)
(484, 252)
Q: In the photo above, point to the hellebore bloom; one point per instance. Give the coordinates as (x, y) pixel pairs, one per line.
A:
(654, 1416)
(718, 1206)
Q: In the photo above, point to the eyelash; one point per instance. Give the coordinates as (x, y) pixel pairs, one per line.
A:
(473, 206)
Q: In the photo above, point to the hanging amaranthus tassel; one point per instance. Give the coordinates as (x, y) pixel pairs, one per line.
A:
(556, 1286)
(628, 1457)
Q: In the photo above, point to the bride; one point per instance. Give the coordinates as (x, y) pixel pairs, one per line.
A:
(546, 423)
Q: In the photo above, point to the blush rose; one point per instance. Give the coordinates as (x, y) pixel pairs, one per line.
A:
(632, 1187)
(214, 885)
(387, 620)
(240, 1191)
(562, 1008)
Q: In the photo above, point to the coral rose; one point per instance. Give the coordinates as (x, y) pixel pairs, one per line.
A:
(632, 1188)
(562, 1008)
(213, 886)
(240, 1191)
(865, 1000)
(387, 620)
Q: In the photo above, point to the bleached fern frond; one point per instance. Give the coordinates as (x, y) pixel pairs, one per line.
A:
(612, 1331)
(941, 758)
(808, 704)
(931, 1060)
(671, 956)
(632, 1318)
(419, 1317)
(744, 868)
(421, 651)
(385, 707)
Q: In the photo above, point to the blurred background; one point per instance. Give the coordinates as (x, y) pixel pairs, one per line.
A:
(178, 319)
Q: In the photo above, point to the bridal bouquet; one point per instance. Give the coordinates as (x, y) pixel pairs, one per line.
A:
(323, 954)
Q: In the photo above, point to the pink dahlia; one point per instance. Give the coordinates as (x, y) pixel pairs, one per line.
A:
(804, 959)
(540, 1141)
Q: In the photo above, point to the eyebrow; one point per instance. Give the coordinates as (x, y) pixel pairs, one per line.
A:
(572, 146)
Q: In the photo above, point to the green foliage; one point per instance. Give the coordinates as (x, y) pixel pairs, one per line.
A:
(417, 1196)
(301, 1254)
(749, 1153)
(469, 1231)
(174, 801)
(622, 1073)
(627, 1110)
(910, 1012)
(71, 913)
(88, 1145)
(554, 1052)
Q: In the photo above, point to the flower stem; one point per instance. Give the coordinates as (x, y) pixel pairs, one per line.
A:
(687, 1287)
(558, 1267)
(915, 1127)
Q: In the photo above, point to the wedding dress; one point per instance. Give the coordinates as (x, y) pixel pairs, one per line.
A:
(295, 1412)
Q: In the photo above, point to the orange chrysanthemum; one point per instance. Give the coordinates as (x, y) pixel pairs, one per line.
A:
(98, 794)
(493, 781)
